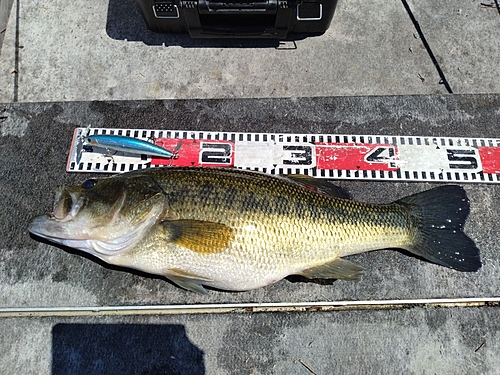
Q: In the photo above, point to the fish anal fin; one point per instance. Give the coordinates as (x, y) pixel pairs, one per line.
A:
(318, 185)
(338, 269)
(203, 237)
(187, 280)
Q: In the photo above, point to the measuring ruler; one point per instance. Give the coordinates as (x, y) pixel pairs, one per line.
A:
(351, 157)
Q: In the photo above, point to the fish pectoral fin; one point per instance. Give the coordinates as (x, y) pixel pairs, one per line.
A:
(187, 280)
(338, 269)
(318, 185)
(204, 237)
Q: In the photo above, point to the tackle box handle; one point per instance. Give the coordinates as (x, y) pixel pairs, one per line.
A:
(246, 19)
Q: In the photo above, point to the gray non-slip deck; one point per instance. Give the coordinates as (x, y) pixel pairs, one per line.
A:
(35, 143)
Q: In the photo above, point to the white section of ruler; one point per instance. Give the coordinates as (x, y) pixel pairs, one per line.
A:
(431, 159)
(268, 155)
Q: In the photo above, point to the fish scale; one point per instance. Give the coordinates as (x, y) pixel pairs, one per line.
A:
(287, 225)
(239, 230)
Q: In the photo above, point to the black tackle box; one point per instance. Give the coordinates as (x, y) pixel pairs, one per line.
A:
(237, 18)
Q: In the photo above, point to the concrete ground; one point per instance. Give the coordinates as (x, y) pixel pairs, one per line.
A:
(382, 68)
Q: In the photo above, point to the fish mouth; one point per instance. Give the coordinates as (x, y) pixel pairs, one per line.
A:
(67, 205)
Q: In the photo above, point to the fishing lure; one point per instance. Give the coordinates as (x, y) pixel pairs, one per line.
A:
(128, 144)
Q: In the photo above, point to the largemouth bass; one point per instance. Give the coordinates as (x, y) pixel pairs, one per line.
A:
(239, 230)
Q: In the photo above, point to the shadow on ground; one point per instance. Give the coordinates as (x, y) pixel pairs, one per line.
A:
(124, 349)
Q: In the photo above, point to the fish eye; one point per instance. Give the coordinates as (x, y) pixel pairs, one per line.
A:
(89, 184)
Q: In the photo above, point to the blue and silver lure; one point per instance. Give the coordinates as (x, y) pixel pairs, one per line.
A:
(128, 144)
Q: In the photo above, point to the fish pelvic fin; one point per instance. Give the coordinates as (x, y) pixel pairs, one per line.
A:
(187, 280)
(440, 215)
(203, 237)
(338, 269)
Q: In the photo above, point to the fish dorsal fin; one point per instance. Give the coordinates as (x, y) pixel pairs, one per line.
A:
(204, 237)
(318, 185)
(187, 280)
(338, 269)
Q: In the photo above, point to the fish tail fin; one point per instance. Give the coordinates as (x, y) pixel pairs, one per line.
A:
(440, 215)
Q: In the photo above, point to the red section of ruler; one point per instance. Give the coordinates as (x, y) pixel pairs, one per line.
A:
(196, 152)
(353, 156)
(490, 159)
